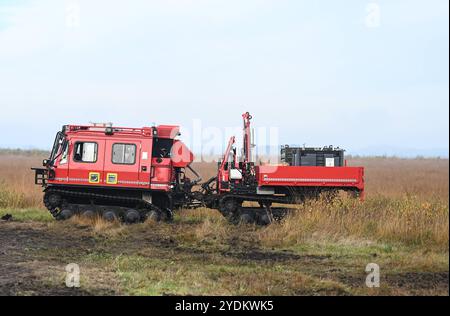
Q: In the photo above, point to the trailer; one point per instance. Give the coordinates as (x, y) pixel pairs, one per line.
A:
(241, 180)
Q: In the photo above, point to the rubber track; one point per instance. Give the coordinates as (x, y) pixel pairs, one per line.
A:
(55, 212)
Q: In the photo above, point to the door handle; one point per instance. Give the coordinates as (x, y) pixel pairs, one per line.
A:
(144, 168)
(152, 172)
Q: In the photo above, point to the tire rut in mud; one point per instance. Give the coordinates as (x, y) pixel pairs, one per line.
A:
(24, 271)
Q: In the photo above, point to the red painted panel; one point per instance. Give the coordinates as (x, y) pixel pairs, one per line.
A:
(181, 155)
(126, 174)
(81, 172)
(310, 176)
(161, 173)
(168, 131)
(62, 170)
(146, 161)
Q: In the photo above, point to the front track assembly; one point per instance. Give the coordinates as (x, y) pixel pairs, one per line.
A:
(62, 204)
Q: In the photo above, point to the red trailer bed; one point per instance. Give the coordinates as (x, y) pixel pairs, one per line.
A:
(332, 177)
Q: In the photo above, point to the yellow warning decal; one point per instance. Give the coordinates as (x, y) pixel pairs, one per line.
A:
(111, 178)
(94, 177)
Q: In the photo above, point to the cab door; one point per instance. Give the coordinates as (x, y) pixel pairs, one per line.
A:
(145, 169)
(122, 160)
(86, 162)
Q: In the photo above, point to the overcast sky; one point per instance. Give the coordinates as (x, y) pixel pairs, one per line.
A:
(362, 74)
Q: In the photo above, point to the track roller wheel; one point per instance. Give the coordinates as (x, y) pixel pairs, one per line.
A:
(52, 200)
(132, 216)
(65, 214)
(267, 217)
(109, 216)
(154, 216)
(264, 219)
(246, 219)
(168, 215)
(229, 206)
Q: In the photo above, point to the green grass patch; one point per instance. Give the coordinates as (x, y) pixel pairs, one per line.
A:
(152, 276)
(28, 214)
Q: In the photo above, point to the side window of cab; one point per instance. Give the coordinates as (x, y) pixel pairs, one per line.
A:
(124, 154)
(85, 152)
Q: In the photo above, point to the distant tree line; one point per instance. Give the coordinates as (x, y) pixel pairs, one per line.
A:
(24, 152)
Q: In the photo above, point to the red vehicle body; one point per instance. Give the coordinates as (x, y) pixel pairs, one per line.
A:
(151, 168)
(116, 171)
(136, 173)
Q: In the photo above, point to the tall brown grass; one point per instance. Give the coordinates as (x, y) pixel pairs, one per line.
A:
(17, 188)
(426, 179)
(409, 221)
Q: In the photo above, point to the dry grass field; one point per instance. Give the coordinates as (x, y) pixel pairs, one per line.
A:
(321, 249)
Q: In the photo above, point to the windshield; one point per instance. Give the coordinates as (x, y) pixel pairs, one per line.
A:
(58, 148)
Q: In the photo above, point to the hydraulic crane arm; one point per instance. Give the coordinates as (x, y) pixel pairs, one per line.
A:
(247, 138)
(227, 152)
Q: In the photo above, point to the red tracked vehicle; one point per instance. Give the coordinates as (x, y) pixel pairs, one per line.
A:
(137, 173)
(126, 173)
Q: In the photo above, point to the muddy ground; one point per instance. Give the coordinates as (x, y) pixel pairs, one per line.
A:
(33, 256)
